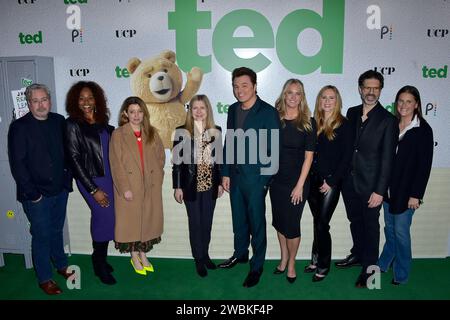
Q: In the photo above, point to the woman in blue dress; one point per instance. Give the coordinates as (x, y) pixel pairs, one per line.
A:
(87, 141)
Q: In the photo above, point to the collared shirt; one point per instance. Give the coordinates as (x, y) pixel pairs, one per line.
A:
(415, 122)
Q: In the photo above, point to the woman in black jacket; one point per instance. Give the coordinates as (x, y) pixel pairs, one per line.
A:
(88, 135)
(196, 176)
(408, 182)
(330, 164)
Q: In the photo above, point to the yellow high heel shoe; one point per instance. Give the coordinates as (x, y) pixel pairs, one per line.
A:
(147, 268)
(142, 272)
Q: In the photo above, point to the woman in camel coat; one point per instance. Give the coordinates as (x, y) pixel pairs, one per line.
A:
(137, 160)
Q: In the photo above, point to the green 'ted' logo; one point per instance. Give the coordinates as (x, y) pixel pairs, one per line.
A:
(186, 20)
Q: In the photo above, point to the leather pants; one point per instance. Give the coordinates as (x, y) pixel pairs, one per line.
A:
(322, 207)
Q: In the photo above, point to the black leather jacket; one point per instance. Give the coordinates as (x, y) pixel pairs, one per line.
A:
(184, 176)
(85, 152)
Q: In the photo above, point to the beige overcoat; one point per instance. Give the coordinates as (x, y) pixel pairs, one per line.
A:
(140, 219)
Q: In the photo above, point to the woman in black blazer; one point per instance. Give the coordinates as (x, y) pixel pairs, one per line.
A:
(330, 164)
(196, 176)
(408, 182)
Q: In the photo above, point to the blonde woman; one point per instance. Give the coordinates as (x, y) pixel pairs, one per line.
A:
(197, 179)
(290, 186)
(331, 161)
(137, 160)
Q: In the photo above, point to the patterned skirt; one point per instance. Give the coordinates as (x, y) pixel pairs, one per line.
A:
(137, 245)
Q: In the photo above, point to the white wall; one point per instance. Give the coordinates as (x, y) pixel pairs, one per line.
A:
(430, 228)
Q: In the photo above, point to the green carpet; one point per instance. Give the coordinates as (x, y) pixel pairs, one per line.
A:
(176, 279)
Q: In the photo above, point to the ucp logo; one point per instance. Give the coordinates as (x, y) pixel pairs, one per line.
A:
(186, 20)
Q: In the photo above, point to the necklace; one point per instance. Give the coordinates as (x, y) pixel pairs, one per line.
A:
(138, 134)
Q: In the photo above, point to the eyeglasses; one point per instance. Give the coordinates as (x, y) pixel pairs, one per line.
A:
(374, 89)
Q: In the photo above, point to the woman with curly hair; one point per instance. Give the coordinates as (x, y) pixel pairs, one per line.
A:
(87, 141)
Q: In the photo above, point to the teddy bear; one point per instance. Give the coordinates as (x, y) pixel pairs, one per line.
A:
(158, 81)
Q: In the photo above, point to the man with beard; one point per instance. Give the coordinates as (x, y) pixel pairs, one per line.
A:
(374, 142)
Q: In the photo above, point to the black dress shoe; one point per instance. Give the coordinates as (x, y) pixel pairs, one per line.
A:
(348, 262)
(252, 279)
(278, 271)
(201, 269)
(291, 279)
(210, 265)
(310, 268)
(361, 282)
(231, 262)
(395, 283)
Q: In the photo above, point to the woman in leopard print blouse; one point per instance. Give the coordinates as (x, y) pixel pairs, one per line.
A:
(196, 176)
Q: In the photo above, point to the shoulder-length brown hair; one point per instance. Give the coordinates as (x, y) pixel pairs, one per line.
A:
(148, 129)
(334, 121)
(209, 122)
(101, 110)
(303, 120)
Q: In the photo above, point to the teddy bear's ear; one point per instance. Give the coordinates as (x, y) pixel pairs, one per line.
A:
(132, 64)
(169, 55)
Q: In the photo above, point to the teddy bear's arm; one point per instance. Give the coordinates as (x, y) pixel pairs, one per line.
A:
(194, 79)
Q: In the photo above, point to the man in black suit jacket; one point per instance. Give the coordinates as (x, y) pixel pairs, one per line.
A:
(37, 161)
(375, 139)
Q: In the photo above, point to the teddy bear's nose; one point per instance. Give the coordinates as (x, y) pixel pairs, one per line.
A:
(160, 78)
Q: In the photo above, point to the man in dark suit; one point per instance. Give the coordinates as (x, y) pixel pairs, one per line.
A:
(37, 161)
(253, 133)
(375, 139)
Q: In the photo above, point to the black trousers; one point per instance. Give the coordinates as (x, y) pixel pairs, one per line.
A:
(322, 208)
(200, 217)
(364, 225)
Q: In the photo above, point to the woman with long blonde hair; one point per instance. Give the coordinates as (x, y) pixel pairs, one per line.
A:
(331, 160)
(290, 186)
(137, 160)
(197, 179)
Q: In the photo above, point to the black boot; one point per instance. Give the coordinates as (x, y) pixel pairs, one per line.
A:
(99, 263)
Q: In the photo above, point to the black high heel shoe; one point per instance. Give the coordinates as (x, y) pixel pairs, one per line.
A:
(320, 274)
(291, 280)
(278, 271)
(310, 268)
(318, 277)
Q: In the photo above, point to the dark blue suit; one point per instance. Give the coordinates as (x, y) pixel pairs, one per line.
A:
(248, 181)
